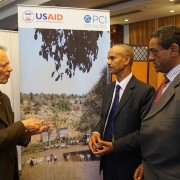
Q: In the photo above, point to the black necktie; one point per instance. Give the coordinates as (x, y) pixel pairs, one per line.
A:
(109, 131)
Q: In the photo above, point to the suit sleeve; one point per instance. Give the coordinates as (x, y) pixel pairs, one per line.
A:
(13, 135)
(131, 141)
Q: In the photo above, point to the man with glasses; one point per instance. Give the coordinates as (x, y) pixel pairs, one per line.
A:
(12, 134)
(160, 129)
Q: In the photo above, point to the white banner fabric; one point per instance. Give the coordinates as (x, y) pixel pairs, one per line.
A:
(63, 18)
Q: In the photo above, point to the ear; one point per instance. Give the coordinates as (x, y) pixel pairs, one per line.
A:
(175, 49)
(127, 60)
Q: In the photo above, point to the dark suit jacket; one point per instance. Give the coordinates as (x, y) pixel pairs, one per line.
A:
(126, 144)
(11, 134)
(160, 136)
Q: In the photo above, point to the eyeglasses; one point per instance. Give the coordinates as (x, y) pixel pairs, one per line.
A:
(5, 66)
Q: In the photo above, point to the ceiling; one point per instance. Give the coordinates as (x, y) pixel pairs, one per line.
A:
(133, 10)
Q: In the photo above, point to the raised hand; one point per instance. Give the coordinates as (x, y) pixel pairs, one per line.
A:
(34, 126)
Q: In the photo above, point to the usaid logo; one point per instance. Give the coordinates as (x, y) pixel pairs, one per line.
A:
(95, 19)
(49, 17)
(28, 16)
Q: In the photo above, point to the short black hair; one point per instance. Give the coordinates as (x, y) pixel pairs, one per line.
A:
(167, 35)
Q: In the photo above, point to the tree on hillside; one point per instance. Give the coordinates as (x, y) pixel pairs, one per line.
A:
(80, 48)
(56, 124)
(91, 110)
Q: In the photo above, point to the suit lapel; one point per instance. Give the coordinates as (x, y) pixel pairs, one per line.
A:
(148, 107)
(127, 94)
(167, 95)
(3, 117)
(8, 115)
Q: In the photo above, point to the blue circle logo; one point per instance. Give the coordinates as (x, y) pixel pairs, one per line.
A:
(87, 18)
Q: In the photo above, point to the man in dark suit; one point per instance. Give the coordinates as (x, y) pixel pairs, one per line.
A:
(160, 130)
(12, 134)
(120, 153)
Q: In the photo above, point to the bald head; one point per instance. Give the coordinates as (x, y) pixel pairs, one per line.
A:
(120, 59)
(124, 50)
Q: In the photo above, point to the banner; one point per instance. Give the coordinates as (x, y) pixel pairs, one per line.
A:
(63, 56)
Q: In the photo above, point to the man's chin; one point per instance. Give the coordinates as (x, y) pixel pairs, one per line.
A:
(3, 82)
(111, 72)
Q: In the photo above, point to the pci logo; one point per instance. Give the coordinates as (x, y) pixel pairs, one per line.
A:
(49, 17)
(28, 16)
(87, 18)
(95, 19)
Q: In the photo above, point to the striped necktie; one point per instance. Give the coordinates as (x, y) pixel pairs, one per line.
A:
(160, 90)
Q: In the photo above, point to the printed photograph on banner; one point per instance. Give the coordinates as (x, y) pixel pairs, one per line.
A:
(62, 76)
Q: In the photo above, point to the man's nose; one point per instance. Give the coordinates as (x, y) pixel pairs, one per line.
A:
(9, 68)
(108, 61)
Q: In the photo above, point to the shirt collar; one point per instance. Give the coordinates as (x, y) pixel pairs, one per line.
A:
(173, 73)
(124, 82)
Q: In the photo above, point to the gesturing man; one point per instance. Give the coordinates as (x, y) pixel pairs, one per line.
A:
(12, 134)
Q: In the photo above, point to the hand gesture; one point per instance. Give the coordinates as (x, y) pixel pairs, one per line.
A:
(106, 148)
(34, 126)
(93, 142)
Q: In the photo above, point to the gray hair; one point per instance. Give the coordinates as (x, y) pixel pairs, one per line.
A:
(3, 48)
